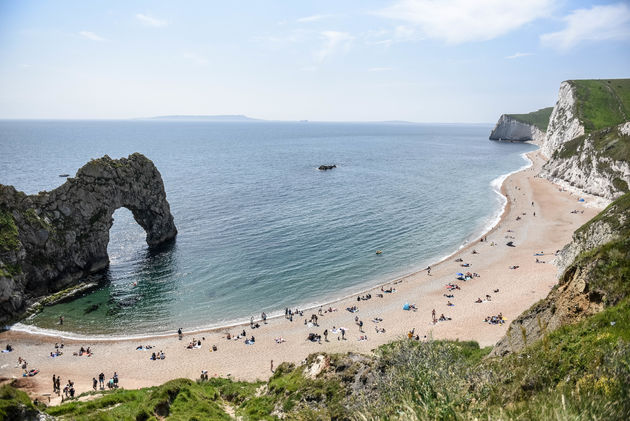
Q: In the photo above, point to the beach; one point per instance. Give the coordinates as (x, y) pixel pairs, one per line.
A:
(538, 219)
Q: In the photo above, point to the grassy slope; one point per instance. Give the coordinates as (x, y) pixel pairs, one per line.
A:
(602, 103)
(14, 403)
(538, 118)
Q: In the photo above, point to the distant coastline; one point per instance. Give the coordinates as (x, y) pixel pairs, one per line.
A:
(214, 118)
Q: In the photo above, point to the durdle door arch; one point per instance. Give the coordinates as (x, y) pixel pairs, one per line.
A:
(51, 240)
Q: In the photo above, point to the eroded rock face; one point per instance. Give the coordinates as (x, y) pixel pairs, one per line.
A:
(589, 169)
(508, 128)
(51, 240)
(564, 123)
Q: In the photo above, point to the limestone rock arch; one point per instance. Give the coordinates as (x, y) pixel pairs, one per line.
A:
(51, 240)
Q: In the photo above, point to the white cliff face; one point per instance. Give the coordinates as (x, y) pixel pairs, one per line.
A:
(564, 124)
(508, 128)
(590, 172)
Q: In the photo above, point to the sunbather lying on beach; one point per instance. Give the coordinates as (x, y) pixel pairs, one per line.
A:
(352, 309)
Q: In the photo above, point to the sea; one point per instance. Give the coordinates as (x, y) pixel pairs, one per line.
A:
(260, 227)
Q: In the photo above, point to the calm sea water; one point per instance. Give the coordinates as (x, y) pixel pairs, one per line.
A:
(260, 228)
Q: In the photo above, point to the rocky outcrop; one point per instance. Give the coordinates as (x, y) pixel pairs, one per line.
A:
(595, 163)
(52, 240)
(593, 267)
(564, 123)
(509, 128)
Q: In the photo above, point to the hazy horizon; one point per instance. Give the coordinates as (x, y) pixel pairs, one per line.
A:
(422, 61)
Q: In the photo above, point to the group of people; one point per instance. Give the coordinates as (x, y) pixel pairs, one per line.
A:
(68, 389)
(157, 356)
(83, 351)
(495, 320)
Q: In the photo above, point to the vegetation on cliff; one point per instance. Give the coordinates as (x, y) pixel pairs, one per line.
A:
(8, 232)
(602, 103)
(538, 118)
(608, 142)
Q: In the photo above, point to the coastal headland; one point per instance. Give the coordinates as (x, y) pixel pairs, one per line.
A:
(538, 220)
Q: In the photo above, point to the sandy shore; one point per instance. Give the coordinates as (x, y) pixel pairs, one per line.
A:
(549, 230)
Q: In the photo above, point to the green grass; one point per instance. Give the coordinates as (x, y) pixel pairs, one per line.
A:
(602, 103)
(8, 232)
(616, 215)
(13, 403)
(538, 118)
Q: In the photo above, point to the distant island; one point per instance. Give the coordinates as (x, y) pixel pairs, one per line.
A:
(226, 118)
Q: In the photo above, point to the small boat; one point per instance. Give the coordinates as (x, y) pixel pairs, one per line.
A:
(64, 175)
(379, 252)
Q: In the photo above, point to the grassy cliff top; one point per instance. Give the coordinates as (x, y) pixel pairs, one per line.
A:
(538, 118)
(602, 102)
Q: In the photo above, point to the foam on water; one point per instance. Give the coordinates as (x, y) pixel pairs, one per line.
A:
(257, 224)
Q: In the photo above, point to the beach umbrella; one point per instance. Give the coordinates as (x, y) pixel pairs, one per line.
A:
(460, 274)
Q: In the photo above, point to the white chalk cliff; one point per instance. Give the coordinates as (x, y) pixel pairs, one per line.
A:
(564, 124)
(509, 128)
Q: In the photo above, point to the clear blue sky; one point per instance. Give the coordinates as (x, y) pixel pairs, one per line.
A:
(417, 60)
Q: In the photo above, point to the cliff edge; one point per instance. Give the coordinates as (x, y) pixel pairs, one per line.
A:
(51, 240)
(588, 139)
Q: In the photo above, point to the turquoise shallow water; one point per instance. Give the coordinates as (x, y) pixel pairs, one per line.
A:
(260, 228)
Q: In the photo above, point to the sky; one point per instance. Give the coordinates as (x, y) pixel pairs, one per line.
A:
(449, 61)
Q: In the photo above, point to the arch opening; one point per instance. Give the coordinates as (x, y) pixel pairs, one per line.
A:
(127, 239)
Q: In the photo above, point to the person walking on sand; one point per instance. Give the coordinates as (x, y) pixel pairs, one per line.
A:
(428, 270)
(94, 383)
(54, 383)
(272, 366)
(433, 316)
(101, 380)
(326, 335)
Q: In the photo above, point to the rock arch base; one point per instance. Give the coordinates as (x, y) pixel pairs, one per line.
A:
(51, 240)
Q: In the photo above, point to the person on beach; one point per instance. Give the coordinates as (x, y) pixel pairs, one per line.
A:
(101, 380)
(326, 335)
(54, 383)
(179, 333)
(60, 320)
(428, 270)
(263, 316)
(433, 316)
(94, 383)
(272, 366)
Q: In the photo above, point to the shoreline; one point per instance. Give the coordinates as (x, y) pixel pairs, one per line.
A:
(497, 187)
(512, 292)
